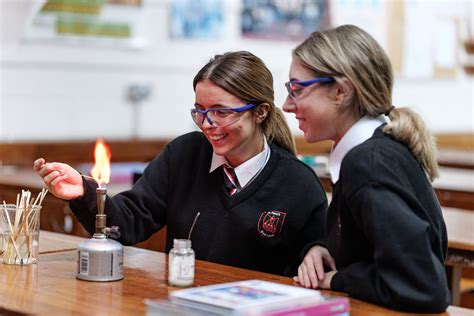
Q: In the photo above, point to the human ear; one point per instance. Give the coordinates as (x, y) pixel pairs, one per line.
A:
(344, 92)
(261, 112)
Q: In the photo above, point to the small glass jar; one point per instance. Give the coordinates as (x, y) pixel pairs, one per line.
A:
(181, 263)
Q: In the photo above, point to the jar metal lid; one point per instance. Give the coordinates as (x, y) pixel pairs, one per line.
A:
(182, 243)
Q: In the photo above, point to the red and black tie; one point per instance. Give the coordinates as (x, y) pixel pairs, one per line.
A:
(231, 182)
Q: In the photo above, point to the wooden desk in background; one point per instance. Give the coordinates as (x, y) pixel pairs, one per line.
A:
(455, 187)
(460, 227)
(455, 158)
(50, 287)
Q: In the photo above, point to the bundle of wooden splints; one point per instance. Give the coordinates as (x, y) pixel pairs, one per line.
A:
(20, 238)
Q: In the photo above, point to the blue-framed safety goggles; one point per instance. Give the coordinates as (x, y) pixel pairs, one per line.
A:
(295, 87)
(219, 117)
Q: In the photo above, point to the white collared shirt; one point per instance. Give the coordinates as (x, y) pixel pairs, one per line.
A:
(362, 130)
(248, 170)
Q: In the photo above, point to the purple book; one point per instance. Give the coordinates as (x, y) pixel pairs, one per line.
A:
(326, 306)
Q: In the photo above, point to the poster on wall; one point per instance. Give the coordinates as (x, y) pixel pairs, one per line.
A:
(195, 19)
(290, 20)
(431, 54)
(370, 15)
(96, 22)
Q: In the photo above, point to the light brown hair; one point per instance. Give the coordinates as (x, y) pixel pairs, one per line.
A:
(350, 52)
(245, 76)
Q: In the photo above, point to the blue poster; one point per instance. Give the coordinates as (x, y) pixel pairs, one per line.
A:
(284, 19)
(200, 19)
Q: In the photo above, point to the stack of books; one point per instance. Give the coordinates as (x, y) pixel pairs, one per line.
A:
(250, 297)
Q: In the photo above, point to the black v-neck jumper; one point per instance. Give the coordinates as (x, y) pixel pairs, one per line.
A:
(386, 230)
(268, 226)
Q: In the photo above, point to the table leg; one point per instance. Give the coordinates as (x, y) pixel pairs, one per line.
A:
(453, 274)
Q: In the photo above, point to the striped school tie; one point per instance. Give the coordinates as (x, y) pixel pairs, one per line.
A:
(231, 182)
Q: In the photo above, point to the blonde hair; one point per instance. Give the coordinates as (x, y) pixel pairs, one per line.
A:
(245, 76)
(350, 52)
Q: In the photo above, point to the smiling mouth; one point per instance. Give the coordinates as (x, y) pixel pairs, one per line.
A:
(217, 137)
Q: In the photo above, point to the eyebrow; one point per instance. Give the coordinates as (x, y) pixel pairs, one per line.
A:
(294, 79)
(217, 105)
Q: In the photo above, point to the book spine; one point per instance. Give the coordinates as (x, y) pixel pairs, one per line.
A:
(331, 307)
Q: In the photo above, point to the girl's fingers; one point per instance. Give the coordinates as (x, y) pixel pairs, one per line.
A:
(38, 164)
(307, 282)
(46, 169)
(318, 266)
(300, 275)
(312, 274)
(51, 176)
(57, 180)
(49, 168)
(330, 261)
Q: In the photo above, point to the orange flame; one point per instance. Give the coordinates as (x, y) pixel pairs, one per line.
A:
(101, 170)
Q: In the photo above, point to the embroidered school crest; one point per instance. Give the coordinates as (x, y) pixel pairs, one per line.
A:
(270, 223)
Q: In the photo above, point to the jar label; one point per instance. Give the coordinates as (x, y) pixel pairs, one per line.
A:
(186, 269)
(181, 270)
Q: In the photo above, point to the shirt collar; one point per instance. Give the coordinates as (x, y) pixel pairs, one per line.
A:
(247, 170)
(362, 130)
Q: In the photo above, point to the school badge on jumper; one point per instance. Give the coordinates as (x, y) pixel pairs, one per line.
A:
(270, 223)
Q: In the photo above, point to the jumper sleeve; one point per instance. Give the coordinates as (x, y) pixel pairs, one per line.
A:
(138, 212)
(405, 273)
(314, 232)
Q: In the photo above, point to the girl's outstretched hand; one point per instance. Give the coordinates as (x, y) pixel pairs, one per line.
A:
(62, 180)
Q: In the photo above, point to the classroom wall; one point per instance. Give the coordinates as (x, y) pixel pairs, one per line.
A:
(55, 91)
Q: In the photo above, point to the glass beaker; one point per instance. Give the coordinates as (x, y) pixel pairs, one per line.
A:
(19, 234)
